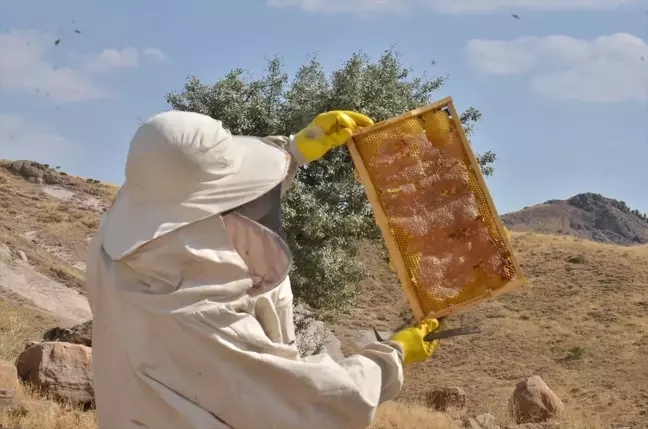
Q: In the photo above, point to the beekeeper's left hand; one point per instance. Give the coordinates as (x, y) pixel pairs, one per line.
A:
(327, 131)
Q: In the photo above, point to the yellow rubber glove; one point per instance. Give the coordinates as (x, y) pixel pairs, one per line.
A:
(415, 348)
(327, 131)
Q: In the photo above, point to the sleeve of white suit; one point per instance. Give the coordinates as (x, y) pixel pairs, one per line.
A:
(367, 379)
(248, 382)
(297, 160)
(321, 393)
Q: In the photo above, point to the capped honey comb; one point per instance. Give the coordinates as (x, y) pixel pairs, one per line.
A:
(445, 238)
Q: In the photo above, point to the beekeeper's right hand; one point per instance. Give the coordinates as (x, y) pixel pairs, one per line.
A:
(415, 348)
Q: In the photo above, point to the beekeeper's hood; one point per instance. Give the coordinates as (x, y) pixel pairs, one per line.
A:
(184, 167)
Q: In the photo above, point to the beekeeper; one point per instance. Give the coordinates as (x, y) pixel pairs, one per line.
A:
(187, 280)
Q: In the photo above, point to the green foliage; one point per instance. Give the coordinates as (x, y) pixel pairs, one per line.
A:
(587, 200)
(326, 213)
(575, 353)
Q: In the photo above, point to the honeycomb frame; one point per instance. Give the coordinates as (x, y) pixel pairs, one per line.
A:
(361, 147)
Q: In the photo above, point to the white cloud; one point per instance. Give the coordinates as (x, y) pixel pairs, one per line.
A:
(155, 54)
(23, 139)
(110, 59)
(23, 67)
(345, 6)
(448, 6)
(606, 69)
(482, 6)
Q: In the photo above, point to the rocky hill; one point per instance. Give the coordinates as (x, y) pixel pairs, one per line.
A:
(580, 324)
(589, 216)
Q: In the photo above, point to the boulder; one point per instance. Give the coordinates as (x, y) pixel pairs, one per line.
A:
(63, 370)
(78, 334)
(28, 169)
(533, 401)
(8, 375)
(449, 397)
(7, 399)
(313, 337)
(9, 385)
(51, 177)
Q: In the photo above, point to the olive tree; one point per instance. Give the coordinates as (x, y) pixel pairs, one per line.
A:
(326, 213)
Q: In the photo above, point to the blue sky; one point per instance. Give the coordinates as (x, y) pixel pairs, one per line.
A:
(563, 89)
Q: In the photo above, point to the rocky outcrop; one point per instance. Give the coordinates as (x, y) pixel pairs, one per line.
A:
(79, 334)
(590, 216)
(37, 172)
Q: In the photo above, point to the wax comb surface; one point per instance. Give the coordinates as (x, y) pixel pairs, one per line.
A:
(445, 238)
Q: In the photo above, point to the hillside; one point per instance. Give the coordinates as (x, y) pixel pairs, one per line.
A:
(581, 324)
(590, 216)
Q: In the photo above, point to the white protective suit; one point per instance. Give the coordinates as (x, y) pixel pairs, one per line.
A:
(193, 323)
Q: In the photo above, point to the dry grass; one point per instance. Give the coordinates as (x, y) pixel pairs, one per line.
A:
(59, 217)
(40, 412)
(411, 415)
(19, 323)
(112, 190)
(399, 415)
(581, 324)
(53, 233)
